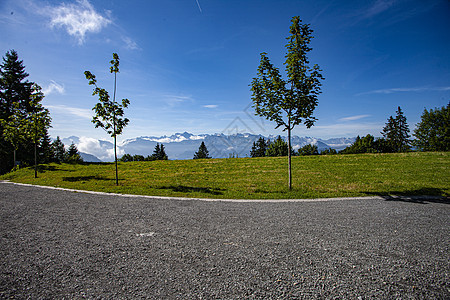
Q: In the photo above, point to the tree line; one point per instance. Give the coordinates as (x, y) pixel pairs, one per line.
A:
(160, 154)
(432, 134)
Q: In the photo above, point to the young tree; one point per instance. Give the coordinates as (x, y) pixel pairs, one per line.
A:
(59, 150)
(202, 152)
(289, 102)
(109, 114)
(433, 131)
(277, 148)
(38, 121)
(259, 148)
(14, 129)
(396, 132)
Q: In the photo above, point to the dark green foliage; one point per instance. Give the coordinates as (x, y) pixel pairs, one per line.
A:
(329, 151)
(138, 157)
(109, 114)
(23, 119)
(259, 148)
(126, 158)
(308, 150)
(368, 144)
(73, 155)
(202, 152)
(396, 132)
(159, 153)
(46, 152)
(277, 148)
(433, 131)
(292, 101)
(58, 150)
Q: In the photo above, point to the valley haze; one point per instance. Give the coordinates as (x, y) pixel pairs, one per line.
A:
(184, 145)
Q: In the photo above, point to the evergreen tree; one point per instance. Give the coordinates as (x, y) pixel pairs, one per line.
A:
(259, 148)
(15, 106)
(23, 119)
(159, 153)
(329, 151)
(46, 152)
(126, 158)
(73, 155)
(433, 131)
(277, 148)
(396, 132)
(202, 152)
(59, 150)
(308, 150)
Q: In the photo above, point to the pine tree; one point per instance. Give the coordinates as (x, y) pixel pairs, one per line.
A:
(59, 150)
(15, 94)
(159, 153)
(308, 150)
(396, 132)
(202, 152)
(46, 152)
(277, 148)
(259, 148)
(73, 155)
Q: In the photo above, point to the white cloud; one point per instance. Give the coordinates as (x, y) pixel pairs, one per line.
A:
(406, 90)
(79, 112)
(77, 18)
(104, 151)
(353, 118)
(53, 87)
(210, 106)
(130, 44)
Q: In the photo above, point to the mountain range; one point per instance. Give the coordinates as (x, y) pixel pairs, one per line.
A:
(184, 145)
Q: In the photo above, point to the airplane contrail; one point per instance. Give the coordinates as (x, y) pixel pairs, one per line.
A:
(199, 6)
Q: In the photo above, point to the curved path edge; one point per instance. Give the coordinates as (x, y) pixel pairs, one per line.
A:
(393, 197)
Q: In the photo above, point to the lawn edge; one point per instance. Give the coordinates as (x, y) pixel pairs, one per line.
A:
(389, 197)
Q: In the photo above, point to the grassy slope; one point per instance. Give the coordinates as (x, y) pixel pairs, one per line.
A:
(244, 178)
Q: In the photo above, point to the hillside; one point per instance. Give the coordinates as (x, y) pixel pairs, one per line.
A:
(412, 173)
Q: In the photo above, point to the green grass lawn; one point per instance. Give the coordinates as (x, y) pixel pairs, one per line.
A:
(414, 173)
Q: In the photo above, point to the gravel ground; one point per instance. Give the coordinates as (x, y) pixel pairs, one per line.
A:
(60, 244)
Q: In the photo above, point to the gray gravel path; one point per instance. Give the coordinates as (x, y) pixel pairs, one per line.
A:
(61, 244)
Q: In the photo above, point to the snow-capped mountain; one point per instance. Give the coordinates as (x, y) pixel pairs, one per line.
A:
(184, 145)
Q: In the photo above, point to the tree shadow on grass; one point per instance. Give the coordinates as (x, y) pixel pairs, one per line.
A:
(44, 168)
(85, 178)
(421, 196)
(191, 189)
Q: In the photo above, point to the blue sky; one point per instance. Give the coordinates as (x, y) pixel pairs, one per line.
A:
(186, 65)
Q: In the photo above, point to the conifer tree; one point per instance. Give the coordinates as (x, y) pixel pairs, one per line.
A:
(277, 148)
(202, 152)
(73, 155)
(396, 132)
(59, 150)
(46, 152)
(159, 153)
(16, 106)
(259, 148)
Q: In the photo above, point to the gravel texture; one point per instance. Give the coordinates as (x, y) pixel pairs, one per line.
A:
(61, 244)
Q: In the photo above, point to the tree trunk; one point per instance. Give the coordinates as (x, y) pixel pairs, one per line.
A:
(289, 155)
(14, 163)
(115, 159)
(35, 150)
(35, 159)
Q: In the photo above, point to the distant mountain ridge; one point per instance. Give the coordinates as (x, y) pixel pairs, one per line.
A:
(184, 145)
